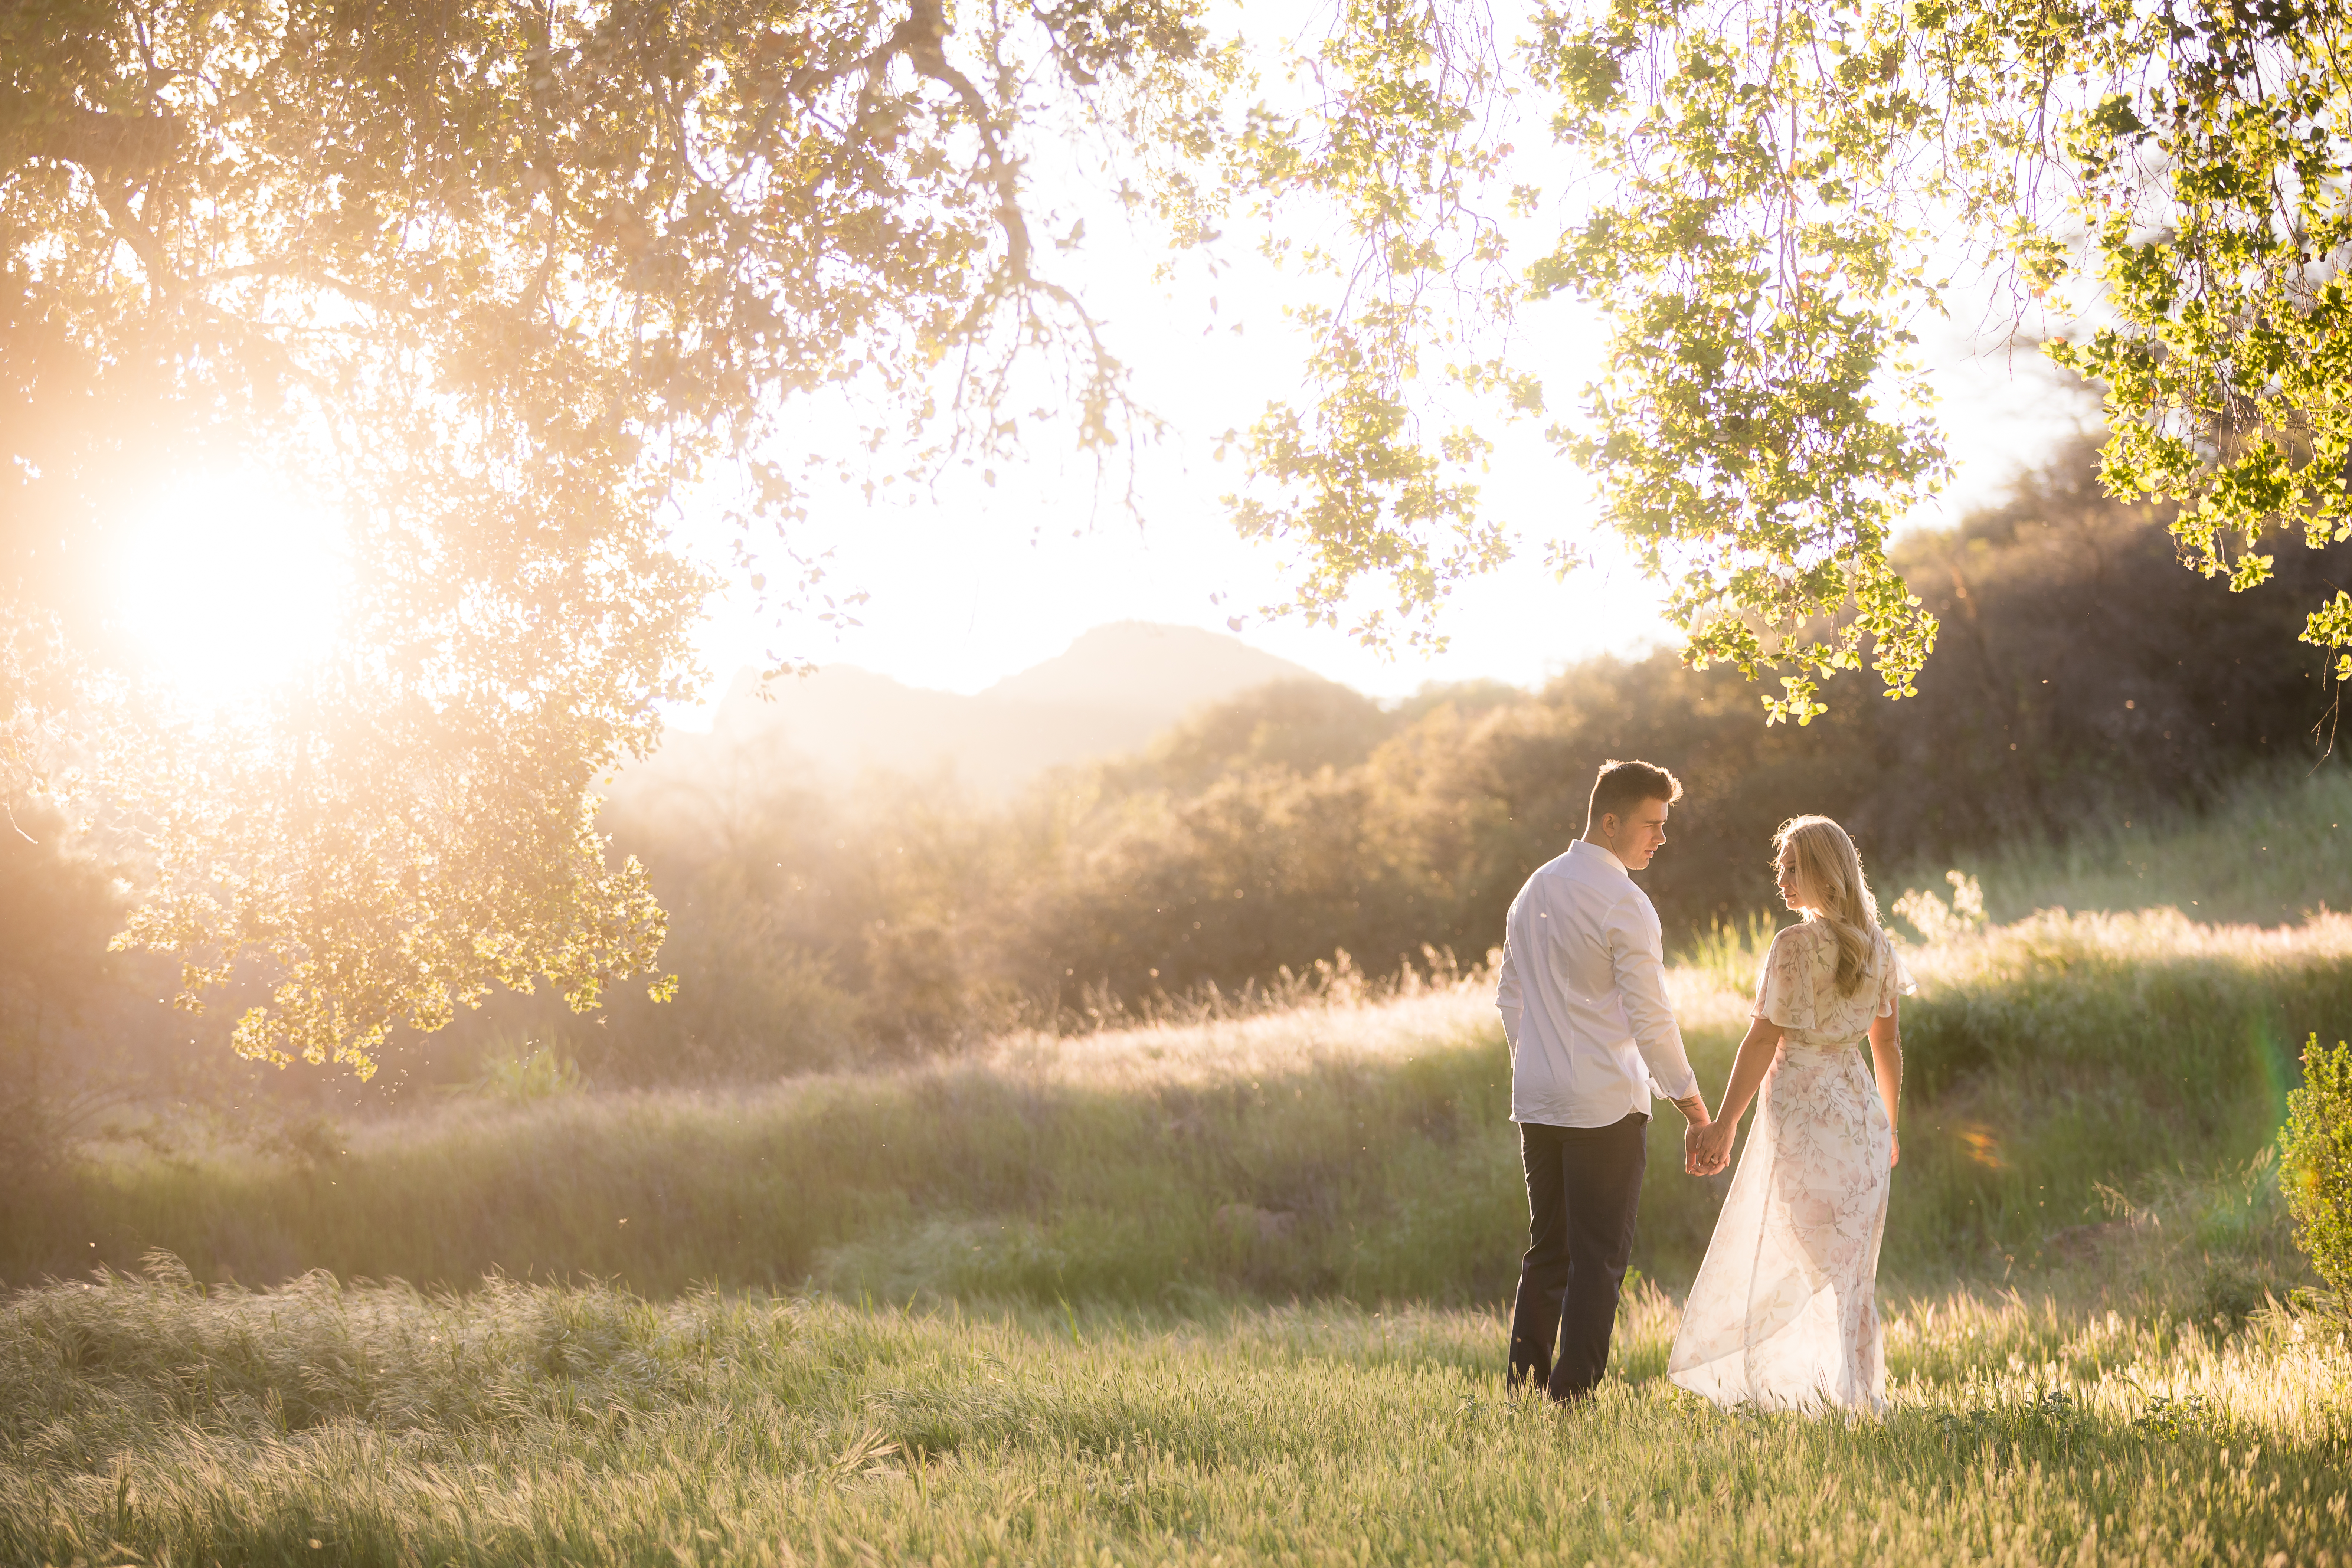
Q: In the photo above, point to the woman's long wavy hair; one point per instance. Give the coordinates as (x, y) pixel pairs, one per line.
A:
(1827, 864)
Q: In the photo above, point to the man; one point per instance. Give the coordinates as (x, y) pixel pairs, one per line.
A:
(1584, 999)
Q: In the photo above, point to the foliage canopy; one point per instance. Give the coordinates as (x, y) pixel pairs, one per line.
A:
(1765, 199)
(506, 284)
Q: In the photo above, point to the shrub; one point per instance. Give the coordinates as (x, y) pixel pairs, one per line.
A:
(2317, 1164)
(521, 1073)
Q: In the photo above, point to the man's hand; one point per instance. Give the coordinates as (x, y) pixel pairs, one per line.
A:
(1695, 1121)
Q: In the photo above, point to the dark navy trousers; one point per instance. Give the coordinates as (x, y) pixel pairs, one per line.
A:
(1583, 1186)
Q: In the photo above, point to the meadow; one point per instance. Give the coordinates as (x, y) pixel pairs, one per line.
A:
(2066, 1071)
(1220, 1287)
(154, 1421)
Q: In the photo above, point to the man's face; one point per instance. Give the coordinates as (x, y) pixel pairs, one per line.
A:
(1640, 834)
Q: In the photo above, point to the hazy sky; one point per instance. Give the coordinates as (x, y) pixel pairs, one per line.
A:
(972, 584)
(969, 584)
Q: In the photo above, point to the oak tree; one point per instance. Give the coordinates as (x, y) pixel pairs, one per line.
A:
(503, 285)
(1763, 200)
(498, 284)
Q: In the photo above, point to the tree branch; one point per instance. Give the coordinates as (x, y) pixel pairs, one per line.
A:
(137, 235)
(114, 151)
(116, 146)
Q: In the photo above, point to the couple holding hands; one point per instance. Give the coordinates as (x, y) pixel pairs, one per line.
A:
(1784, 1313)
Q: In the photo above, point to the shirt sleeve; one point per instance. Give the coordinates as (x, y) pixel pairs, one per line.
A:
(1637, 956)
(1507, 994)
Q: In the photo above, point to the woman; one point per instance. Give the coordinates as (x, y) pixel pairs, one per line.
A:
(1784, 1313)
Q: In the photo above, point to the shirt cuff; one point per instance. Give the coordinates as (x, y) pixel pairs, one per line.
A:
(1689, 1088)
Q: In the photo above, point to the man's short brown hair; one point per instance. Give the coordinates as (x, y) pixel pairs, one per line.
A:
(1622, 786)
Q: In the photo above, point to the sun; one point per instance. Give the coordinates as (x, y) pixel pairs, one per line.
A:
(228, 587)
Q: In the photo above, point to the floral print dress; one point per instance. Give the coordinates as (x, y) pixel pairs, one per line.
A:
(1784, 1313)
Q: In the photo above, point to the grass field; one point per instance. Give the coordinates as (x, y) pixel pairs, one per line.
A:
(2276, 849)
(1221, 1290)
(151, 1421)
(2058, 1067)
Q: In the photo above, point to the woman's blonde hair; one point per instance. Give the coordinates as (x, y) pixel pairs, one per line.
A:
(1826, 863)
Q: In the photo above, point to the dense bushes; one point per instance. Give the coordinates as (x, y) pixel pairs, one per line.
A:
(2084, 678)
(2316, 1174)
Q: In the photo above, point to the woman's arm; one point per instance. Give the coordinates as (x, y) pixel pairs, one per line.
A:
(1755, 1059)
(1886, 1056)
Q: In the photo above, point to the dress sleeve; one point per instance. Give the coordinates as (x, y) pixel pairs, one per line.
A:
(1895, 978)
(1784, 996)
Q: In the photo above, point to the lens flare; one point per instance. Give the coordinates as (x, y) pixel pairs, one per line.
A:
(228, 585)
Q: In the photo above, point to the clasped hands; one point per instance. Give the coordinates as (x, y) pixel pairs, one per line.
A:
(1706, 1146)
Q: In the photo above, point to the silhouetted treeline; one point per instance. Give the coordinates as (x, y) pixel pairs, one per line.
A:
(82, 1031)
(2081, 670)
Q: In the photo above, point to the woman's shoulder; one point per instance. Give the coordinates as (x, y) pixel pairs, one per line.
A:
(1805, 938)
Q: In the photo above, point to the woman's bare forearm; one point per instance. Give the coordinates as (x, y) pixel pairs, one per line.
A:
(1755, 1059)
(1886, 1056)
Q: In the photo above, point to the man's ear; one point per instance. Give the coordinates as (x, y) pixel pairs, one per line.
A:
(1612, 825)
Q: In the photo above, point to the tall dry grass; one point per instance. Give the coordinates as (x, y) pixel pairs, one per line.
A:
(149, 1420)
(1221, 1288)
(2063, 1070)
(2275, 849)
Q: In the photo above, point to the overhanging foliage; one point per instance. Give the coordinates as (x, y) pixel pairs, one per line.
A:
(507, 282)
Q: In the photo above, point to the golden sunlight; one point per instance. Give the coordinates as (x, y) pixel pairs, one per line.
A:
(228, 587)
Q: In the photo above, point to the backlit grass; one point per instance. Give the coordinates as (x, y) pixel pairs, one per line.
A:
(2058, 1067)
(151, 1420)
(2270, 853)
(1225, 1290)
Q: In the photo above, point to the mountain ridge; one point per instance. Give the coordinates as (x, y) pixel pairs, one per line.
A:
(1109, 692)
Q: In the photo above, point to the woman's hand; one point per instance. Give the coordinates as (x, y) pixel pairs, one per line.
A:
(1711, 1147)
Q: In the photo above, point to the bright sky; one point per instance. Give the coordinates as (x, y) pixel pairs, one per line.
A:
(978, 583)
(974, 584)
(969, 584)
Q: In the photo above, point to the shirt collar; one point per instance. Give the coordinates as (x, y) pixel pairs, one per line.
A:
(1586, 846)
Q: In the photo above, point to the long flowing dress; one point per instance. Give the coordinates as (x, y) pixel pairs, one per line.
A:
(1784, 1313)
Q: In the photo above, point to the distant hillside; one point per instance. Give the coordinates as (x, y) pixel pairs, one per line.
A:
(1156, 673)
(1113, 690)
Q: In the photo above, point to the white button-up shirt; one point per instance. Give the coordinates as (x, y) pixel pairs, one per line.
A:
(1583, 997)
